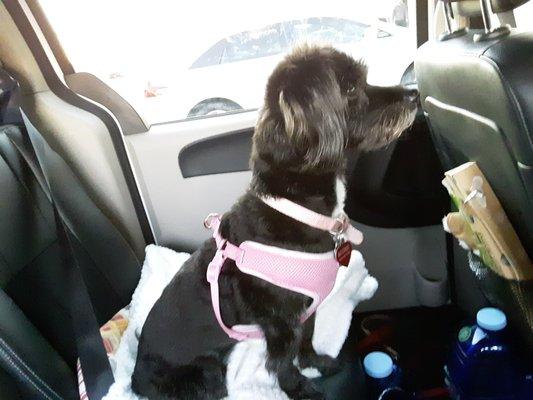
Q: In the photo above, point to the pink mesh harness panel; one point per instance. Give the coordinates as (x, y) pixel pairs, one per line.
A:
(311, 274)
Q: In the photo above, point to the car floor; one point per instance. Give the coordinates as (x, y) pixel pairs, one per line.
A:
(421, 338)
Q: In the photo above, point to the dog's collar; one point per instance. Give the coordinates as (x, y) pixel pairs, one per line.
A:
(337, 226)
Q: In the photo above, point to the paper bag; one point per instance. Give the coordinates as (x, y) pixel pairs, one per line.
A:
(484, 225)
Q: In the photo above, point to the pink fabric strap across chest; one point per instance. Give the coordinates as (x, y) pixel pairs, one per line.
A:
(311, 274)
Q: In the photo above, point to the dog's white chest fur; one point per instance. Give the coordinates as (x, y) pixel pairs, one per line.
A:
(340, 190)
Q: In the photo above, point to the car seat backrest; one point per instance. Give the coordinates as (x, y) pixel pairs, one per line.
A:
(479, 101)
(32, 293)
(112, 269)
(35, 335)
(476, 89)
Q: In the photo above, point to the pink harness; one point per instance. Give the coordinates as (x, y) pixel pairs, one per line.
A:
(311, 274)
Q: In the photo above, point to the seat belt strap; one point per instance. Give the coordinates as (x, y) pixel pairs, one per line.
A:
(97, 373)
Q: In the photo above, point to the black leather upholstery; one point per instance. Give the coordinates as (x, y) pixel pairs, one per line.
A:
(27, 356)
(34, 327)
(109, 264)
(478, 97)
(37, 346)
(498, 6)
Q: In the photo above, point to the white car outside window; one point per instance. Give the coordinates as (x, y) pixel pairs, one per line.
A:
(211, 66)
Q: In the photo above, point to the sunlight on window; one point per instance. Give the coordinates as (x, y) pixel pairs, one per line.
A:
(524, 16)
(174, 60)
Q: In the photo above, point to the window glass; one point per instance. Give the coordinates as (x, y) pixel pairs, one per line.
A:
(524, 16)
(267, 41)
(176, 60)
(213, 56)
(327, 30)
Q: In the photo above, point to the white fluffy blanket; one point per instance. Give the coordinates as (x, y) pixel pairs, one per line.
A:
(247, 378)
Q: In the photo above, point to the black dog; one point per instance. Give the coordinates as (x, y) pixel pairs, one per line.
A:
(317, 105)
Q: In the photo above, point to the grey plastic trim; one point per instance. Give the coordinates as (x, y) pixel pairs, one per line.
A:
(220, 154)
(90, 86)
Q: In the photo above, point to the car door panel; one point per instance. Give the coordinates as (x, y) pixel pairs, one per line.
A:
(178, 191)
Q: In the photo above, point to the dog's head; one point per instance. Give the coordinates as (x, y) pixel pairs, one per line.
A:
(318, 104)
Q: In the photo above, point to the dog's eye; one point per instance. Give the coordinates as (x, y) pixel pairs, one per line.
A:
(351, 90)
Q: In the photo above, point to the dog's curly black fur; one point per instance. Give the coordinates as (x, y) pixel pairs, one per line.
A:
(317, 106)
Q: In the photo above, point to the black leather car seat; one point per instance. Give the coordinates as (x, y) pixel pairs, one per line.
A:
(477, 93)
(37, 345)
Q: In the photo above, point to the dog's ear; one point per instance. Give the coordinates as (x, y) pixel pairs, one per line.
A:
(314, 119)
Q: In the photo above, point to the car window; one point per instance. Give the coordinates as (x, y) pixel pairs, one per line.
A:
(280, 38)
(213, 56)
(327, 30)
(258, 43)
(524, 16)
(177, 60)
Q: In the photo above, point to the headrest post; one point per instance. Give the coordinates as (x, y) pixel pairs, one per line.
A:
(450, 33)
(448, 14)
(486, 12)
(490, 32)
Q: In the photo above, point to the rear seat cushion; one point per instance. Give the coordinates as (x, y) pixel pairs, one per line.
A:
(111, 332)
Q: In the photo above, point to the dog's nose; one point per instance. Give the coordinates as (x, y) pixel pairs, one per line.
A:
(412, 95)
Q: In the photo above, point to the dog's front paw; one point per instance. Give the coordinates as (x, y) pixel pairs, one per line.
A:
(326, 365)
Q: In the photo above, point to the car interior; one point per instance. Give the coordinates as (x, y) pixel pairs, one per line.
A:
(82, 168)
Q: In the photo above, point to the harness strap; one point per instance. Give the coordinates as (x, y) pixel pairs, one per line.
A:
(225, 250)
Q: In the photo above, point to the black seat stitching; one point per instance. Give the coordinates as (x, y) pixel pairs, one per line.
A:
(10, 356)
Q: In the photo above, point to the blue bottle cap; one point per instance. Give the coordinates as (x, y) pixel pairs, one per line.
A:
(491, 319)
(378, 364)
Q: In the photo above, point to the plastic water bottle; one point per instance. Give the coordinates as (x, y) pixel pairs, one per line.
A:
(383, 377)
(483, 364)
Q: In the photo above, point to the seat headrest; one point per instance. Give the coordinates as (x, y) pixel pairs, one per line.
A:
(472, 8)
(467, 8)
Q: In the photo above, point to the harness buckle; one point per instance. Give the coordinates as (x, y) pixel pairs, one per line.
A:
(208, 221)
(340, 225)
